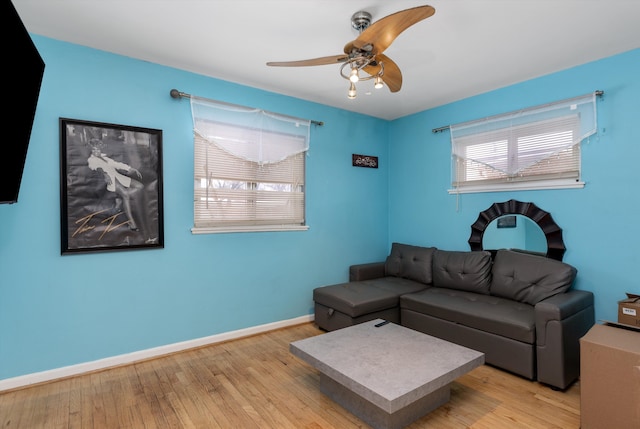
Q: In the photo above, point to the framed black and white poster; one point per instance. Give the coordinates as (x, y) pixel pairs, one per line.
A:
(111, 187)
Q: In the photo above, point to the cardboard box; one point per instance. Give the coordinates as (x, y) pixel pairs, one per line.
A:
(610, 378)
(629, 310)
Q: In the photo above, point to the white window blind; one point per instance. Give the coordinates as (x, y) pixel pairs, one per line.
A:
(533, 148)
(249, 168)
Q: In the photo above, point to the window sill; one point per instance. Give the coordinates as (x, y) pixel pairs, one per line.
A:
(524, 186)
(256, 228)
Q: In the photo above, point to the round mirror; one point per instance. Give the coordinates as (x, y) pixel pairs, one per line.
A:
(506, 210)
(514, 232)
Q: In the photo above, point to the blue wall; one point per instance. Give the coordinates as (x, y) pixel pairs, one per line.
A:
(64, 310)
(599, 222)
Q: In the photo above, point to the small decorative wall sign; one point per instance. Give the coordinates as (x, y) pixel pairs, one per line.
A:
(364, 161)
(111, 187)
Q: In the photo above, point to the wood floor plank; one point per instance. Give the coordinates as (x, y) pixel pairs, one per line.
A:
(255, 382)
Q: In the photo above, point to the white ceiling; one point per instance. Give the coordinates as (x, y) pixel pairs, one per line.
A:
(468, 47)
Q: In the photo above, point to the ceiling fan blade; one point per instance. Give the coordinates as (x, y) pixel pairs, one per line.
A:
(379, 35)
(334, 59)
(392, 76)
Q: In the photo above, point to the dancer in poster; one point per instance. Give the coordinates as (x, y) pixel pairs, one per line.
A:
(127, 188)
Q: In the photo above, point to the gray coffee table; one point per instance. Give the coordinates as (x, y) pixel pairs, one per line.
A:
(389, 376)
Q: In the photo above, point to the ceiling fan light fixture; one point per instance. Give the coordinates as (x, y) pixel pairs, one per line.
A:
(353, 76)
(366, 51)
(351, 94)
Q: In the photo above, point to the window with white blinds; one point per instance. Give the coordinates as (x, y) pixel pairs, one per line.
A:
(536, 148)
(249, 171)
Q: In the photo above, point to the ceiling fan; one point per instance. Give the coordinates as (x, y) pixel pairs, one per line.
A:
(366, 51)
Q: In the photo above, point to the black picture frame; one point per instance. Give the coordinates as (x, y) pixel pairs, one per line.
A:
(111, 187)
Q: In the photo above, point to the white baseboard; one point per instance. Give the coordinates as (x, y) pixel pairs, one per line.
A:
(67, 371)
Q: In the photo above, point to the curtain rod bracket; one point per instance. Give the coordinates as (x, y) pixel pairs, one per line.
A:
(174, 93)
(439, 130)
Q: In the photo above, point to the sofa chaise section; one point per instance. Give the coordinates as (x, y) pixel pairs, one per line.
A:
(374, 289)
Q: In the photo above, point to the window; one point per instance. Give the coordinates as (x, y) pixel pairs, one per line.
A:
(249, 170)
(536, 148)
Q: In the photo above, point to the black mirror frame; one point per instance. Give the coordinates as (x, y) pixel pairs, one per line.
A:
(551, 230)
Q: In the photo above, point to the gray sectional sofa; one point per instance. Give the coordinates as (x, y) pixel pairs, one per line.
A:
(517, 308)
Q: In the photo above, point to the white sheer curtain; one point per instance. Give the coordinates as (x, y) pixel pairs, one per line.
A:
(251, 134)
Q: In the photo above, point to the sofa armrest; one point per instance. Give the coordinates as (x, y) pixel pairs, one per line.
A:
(368, 271)
(561, 321)
(560, 307)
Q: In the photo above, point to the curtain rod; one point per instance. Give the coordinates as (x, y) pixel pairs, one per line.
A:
(446, 127)
(179, 94)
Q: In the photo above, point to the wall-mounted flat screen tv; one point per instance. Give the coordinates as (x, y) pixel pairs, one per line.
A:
(24, 68)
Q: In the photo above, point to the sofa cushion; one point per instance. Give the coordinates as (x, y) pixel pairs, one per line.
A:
(410, 262)
(469, 271)
(529, 278)
(397, 285)
(359, 298)
(355, 298)
(492, 314)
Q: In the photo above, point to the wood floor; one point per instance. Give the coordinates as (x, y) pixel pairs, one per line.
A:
(255, 382)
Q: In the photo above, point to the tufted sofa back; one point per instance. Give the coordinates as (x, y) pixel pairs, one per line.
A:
(529, 278)
(468, 271)
(510, 274)
(410, 262)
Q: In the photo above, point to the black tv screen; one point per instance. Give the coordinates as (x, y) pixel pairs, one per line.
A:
(25, 69)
